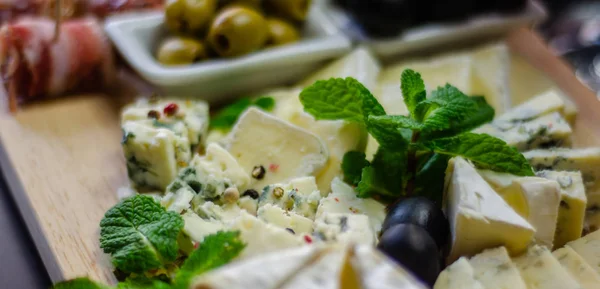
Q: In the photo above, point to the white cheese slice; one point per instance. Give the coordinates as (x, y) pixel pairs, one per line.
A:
(377, 271)
(197, 228)
(285, 151)
(571, 212)
(344, 228)
(479, 217)
(359, 64)
(459, 274)
(550, 130)
(153, 155)
(578, 268)
(269, 271)
(261, 238)
(586, 160)
(588, 248)
(495, 270)
(284, 219)
(540, 269)
(326, 273)
(343, 200)
(490, 75)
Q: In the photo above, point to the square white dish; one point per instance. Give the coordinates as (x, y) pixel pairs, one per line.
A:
(136, 37)
(424, 37)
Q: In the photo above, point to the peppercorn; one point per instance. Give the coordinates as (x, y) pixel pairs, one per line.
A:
(154, 114)
(171, 109)
(258, 172)
(231, 195)
(291, 230)
(251, 193)
(278, 192)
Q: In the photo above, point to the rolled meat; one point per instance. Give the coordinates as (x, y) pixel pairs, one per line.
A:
(33, 64)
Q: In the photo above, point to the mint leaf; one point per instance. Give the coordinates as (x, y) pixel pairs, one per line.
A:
(80, 283)
(142, 282)
(429, 177)
(398, 121)
(483, 150)
(386, 176)
(483, 114)
(413, 89)
(352, 166)
(446, 107)
(388, 132)
(215, 251)
(340, 99)
(228, 116)
(140, 234)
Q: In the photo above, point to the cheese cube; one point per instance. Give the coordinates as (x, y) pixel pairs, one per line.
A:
(192, 113)
(495, 270)
(571, 213)
(300, 196)
(586, 160)
(550, 130)
(343, 200)
(490, 75)
(285, 151)
(458, 275)
(344, 228)
(197, 228)
(284, 219)
(359, 64)
(540, 269)
(261, 238)
(581, 271)
(377, 271)
(153, 155)
(588, 248)
(179, 200)
(339, 136)
(210, 175)
(480, 218)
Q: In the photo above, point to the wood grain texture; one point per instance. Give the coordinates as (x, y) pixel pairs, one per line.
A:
(66, 154)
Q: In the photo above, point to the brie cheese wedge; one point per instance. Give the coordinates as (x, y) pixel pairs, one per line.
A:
(588, 248)
(540, 269)
(495, 270)
(459, 274)
(581, 271)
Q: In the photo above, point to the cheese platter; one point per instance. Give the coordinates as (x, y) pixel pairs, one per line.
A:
(147, 190)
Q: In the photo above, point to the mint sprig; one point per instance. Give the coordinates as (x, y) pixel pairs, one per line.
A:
(415, 149)
(228, 116)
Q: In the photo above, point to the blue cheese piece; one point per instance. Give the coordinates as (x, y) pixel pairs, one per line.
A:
(343, 200)
(458, 275)
(211, 211)
(571, 212)
(248, 204)
(479, 217)
(588, 248)
(284, 151)
(197, 228)
(586, 160)
(581, 271)
(210, 175)
(153, 155)
(540, 269)
(179, 200)
(193, 114)
(285, 219)
(550, 130)
(543, 104)
(261, 237)
(344, 228)
(300, 196)
(495, 270)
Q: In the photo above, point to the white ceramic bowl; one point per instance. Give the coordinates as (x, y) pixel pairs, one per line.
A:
(136, 36)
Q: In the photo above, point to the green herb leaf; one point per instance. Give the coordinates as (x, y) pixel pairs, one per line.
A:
(484, 151)
(388, 132)
(386, 176)
(142, 282)
(80, 283)
(215, 251)
(352, 166)
(140, 234)
(340, 99)
(413, 89)
(398, 121)
(484, 114)
(429, 180)
(229, 115)
(446, 107)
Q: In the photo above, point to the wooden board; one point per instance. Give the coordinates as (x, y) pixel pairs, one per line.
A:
(64, 163)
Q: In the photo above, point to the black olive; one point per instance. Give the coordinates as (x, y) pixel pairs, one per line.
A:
(413, 248)
(421, 212)
(383, 18)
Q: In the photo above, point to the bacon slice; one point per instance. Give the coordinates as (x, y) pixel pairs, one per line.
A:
(34, 65)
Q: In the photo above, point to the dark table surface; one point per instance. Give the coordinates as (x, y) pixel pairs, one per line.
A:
(21, 265)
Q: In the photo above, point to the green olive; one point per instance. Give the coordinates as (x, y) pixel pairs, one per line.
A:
(236, 31)
(189, 16)
(181, 51)
(281, 32)
(293, 9)
(256, 4)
